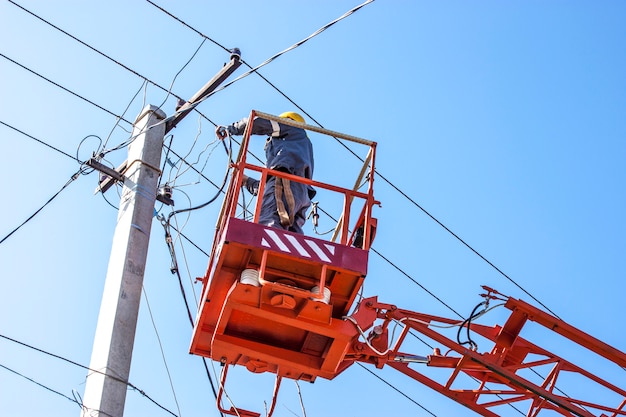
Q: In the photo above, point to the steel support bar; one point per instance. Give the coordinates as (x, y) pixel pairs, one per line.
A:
(509, 355)
(568, 331)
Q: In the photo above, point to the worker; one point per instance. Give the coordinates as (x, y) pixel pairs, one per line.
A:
(287, 149)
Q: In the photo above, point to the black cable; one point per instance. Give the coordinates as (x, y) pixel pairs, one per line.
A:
(41, 385)
(468, 322)
(174, 269)
(166, 225)
(254, 70)
(211, 200)
(168, 237)
(208, 374)
(464, 242)
(42, 142)
(190, 241)
(292, 47)
(401, 271)
(415, 281)
(90, 47)
(105, 56)
(397, 390)
(63, 88)
(113, 377)
(72, 178)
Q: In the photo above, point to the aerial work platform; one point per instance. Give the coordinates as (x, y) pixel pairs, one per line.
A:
(274, 300)
(262, 313)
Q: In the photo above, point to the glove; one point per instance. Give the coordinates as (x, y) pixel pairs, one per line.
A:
(221, 132)
(250, 184)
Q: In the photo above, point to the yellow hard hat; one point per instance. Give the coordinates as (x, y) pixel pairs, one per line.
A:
(293, 116)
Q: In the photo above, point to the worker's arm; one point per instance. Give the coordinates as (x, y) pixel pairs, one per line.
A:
(260, 127)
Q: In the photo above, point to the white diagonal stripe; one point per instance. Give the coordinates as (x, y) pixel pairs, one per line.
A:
(281, 245)
(318, 251)
(298, 246)
(330, 248)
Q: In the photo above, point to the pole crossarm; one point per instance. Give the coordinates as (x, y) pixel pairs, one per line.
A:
(172, 121)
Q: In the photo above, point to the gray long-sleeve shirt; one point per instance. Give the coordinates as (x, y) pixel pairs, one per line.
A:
(287, 146)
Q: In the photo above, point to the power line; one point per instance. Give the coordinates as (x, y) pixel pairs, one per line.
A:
(415, 281)
(72, 178)
(467, 245)
(87, 368)
(300, 43)
(61, 87)
(156, 332)
(168, 91)
(88, 46)
(74, 400)
(255, 70)
(397, 390)
(41, 141)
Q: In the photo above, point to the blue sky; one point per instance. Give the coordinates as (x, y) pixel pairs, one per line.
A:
(503, 120)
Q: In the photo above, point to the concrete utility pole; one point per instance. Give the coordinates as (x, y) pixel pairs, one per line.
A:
(105, 389)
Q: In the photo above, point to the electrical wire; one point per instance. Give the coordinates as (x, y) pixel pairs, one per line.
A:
(113, 377)
(267, 61)
(91, 48)
(127, 68)
(195, 296)
(167, 225)
(174, 267)
(468, 322)
(143, 86)
(41, 142)
(295, 45)
(169, 90)
(401, 271)
(63, 88)
(156, 332)
(467, 245)
(397, 390)
(55, 195)
(300, 396)
(80, 404)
